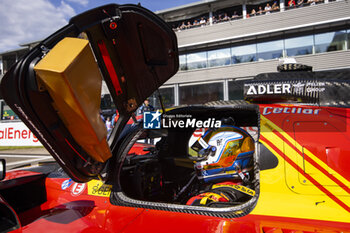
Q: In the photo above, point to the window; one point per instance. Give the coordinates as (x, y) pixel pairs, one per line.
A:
(168, 98)
(183, 64)
(6, 112)
(107, 102)
(201, 93)
(295, 46)
(8, 61)
(107, 107)
(245, 53)
(219, 57)
(299, 45)
(235, 90)
(330, 41)
(270, 50)
(197, 60)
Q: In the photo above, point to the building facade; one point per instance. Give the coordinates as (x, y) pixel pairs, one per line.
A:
(216, 57)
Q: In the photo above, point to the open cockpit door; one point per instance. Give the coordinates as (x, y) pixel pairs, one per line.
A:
(56, 88)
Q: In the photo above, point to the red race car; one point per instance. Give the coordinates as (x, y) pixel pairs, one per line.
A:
(276, 162)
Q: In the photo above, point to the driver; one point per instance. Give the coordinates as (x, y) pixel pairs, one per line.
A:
(223, 159)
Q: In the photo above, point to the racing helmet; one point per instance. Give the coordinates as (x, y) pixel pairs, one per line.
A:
(222, 153)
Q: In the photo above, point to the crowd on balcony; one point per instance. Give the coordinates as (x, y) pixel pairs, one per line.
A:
(225, 16)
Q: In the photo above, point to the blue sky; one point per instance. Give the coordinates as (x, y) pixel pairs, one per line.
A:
(154, 5)
(23, 21)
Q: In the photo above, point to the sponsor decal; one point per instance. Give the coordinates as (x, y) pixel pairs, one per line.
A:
(13, 133)
(237, 187)
(300, 88)
(290, 110)
(315, 87)
(66, 184)
(263, 89)
(98, 188)
(78, 189)
(151, 120)
(16, 133)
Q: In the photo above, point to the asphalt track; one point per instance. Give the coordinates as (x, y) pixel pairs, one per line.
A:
(20, 158)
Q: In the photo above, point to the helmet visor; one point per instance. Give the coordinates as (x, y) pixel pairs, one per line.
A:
(199, 150)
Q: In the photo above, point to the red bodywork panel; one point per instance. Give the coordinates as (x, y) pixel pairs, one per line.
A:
(63, 212)
(72, 209)
(85, 213)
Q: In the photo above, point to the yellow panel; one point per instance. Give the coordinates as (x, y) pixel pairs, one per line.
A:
(98, 188)
(278, 198)
(72, 77)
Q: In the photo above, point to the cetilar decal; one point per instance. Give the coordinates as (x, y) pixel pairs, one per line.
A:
(289, 110)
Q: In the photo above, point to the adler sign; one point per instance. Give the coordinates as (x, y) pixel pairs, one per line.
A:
(260, 89)
(17, 134)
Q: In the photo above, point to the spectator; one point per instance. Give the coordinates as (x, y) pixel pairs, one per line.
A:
(267, 9)
(115, 117)
(291, 3)
(253, 12)
(183, 26)
(146, 107)
(102, 117)
(260, 11)
(195, 23)
(226, 18)
(220, 18)
(109, 125)
(202, 22)
(188, 25)
(311, 2)
(214, 19)
(275, 7)
(235, 15)
(300, 3)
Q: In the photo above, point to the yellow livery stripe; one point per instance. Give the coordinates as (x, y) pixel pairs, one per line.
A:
(282, 193)
(269, 125)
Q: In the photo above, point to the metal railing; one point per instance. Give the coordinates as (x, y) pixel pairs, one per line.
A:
(259, 12)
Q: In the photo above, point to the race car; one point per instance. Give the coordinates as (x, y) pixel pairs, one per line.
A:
(275, 161)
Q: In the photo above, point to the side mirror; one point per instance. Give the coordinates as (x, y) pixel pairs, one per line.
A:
(2, 169)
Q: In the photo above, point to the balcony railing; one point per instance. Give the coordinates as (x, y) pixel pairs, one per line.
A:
(222, 18)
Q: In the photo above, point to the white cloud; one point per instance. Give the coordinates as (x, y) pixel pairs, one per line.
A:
(81, 2)
(66, 9)
(22, 21)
